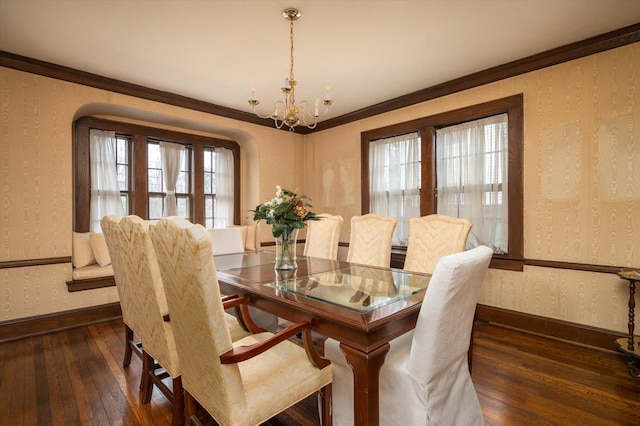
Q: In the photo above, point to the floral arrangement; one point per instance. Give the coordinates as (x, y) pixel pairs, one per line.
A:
(285, 212)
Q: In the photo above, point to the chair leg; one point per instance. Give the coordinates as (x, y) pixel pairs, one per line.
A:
(146, 384)
(178, 403)
(128, 333)
(325, 403)
(190, 408)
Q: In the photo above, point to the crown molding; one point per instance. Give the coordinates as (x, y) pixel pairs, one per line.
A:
(569, 52)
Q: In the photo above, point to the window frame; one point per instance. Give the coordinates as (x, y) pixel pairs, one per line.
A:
(138, 200)
(427, 126)
(213, 175)
(126, 192)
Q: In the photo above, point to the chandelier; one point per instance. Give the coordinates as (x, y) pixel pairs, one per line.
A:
(287, 112)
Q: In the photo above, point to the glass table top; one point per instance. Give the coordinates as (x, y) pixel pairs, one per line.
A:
(244, 260)
(356, 287)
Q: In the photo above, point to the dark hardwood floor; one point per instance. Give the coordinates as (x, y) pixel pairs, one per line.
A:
(75, 377)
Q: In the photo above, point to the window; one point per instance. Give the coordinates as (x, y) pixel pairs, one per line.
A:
(470, 165)
(471, 171)
(168, 184)
(209, 186)
(143, 183)
(105, 187)
(124, 170)
(395, 180)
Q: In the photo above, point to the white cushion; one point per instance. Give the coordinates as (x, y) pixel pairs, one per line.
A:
(92, 271)
(226, 240)
(82, 252)
(100, 250)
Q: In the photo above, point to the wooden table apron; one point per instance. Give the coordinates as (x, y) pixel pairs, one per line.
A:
(364, 337)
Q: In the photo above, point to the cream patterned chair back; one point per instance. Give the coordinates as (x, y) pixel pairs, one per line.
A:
(432, 237)
(370, 240)
(243, 393)
(110, 225)
(144, 301)
(148, 294)
(323, 236)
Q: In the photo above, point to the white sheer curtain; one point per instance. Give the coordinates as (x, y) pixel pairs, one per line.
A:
(394, 165)
(171, 155)
(223, 206)
(471, 164)
(105, 192)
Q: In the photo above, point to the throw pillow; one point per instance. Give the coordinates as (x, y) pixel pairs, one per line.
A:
(100, 250)
(82, 252)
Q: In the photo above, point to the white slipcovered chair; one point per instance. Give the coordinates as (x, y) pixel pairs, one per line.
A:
(434, 236)
(323, 236)
(370, 240)
(425, 378)
(239, 383)
(225, 241)
(146, 297)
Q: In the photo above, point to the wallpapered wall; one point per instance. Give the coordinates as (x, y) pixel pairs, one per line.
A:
(36, 217)
(581, 181)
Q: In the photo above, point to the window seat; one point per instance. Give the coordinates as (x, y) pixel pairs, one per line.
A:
(92, 265)
(91, 272)
(91, 262)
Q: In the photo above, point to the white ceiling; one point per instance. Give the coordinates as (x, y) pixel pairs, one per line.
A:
(367, 51)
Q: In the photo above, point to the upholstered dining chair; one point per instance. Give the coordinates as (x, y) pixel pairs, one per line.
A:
(238, 383)
(150, 304)
(432, 237)
(370, 239)
(109, 226)
(147, 299)
(323, 236)
(425, 377)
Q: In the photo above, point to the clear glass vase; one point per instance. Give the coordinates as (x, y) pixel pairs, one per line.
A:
(286, 251)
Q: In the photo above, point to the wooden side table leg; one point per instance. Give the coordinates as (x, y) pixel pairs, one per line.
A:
(632, 305)
(629, 346)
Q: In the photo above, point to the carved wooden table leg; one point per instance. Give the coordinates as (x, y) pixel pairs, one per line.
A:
(366, 369)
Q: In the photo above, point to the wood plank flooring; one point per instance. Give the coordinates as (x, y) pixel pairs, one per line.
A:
(75, 377)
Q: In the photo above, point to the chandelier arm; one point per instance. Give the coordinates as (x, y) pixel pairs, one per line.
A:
(277, 106)
(304, 114)
(275, 120)
(260, 115)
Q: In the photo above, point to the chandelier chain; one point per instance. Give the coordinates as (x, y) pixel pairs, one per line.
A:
(291, 49)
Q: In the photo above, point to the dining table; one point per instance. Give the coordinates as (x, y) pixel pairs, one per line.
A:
(362, 307)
